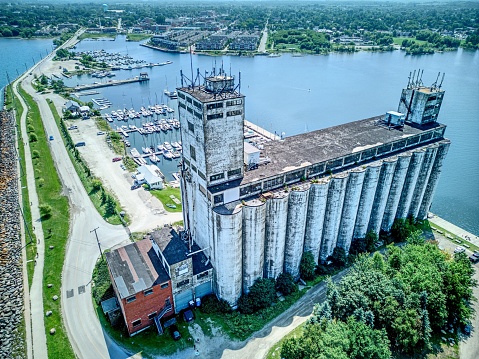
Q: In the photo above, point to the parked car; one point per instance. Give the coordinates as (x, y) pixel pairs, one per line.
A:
(459, 249)
(51, 138)
(135, 186)
(175, 334)
(80, 144)
(73, 127)
(474, 259)
(116, 159)
(123, 167)
(99, 133)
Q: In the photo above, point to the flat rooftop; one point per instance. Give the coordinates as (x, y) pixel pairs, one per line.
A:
(326, 144)
(200, 93)
(135, 267)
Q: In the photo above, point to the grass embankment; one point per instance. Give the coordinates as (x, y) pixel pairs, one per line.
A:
(164, 195)
(452, 237)
(399, 40)
(137, 37)
(30, 239)
(275, 351)
(148, 342)
(55, 228)
(93, 186)
(87, 35)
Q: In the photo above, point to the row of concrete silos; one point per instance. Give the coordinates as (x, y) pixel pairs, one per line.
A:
(263, 238)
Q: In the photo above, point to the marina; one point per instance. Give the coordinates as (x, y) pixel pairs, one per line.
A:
(143, 77)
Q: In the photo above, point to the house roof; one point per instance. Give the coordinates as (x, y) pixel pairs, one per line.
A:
(135, 267)
(151, 173)
(71, 103)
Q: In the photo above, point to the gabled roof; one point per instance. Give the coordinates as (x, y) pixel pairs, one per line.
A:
(151, 172)
(71, 103)
(135, 267)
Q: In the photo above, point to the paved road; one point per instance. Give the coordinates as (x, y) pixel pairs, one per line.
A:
(264, 39)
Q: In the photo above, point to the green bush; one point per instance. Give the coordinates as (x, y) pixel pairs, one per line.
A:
(307, 266)
(211, 304)
(339, 257)
(45, 210)
(261, 295)
(35, 154)
(33, 137)
(285, 284)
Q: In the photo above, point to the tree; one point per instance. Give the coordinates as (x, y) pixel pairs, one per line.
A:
(261, 295)
(307, 266)
(45, 211)
(33, 137)
(285, 284)
(96, 184)
(110, 205)
(339, 257)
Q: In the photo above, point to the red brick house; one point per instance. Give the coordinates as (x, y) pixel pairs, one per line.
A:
(141, 284)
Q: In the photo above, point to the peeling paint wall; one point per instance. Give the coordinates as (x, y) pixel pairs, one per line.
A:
(350, 208)
(366, 200)
(318, 194)
(296, 224)
(275, 235)
(254, 222)
(228, 258)
(433, 179)
(332, 218)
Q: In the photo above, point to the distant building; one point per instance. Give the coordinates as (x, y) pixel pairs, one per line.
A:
(141, 285)
(72, 106)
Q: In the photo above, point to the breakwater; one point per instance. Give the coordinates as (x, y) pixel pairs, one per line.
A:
(11, 280)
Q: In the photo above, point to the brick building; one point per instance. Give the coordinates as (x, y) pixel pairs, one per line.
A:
(141, 284)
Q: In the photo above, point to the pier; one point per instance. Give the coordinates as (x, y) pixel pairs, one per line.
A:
(111, 83)
(259, 131)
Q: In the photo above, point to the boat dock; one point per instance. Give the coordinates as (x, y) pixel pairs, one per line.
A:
(111, 83)
(255, 130)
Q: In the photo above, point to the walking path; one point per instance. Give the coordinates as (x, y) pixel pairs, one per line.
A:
(465, 235)
(39, 339)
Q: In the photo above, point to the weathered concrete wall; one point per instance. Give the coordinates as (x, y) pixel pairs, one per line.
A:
(254, 221)
(318, 195)
(367, 199)
(228, 253)
(410, 183)
(422, 180)
(275, 234)
(334, 207)
(382, 192)
(433, 179)
(396, 190)
(350, 208)
(296, 224)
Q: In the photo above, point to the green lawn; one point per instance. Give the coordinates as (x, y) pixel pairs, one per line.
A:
(399, 40)
(137, 37)
(275, 351)
(87, 35)
(164, 196)
(55, 230)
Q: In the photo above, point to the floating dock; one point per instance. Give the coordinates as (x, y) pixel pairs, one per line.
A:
(140, 78)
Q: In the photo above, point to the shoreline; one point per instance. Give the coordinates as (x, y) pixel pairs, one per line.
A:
(454, 229)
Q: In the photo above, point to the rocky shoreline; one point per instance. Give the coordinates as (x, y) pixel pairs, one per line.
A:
(11, 280)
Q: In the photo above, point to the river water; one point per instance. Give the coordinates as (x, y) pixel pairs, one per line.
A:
(299, 94)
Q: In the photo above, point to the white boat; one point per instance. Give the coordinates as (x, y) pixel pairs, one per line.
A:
(168, 155)
(146, 150)
(134, 152)
(154, 158)
(168, 146)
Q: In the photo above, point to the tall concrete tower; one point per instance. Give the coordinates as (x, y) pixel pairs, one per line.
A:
(421, 104)
(211, 115)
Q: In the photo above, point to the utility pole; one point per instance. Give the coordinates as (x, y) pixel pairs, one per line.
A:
(96, 235)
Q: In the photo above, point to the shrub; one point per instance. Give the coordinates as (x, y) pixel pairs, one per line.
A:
(41, 182)
(211, 304)
(402, 229)
(285, 284)
(30, 128)
(35, 154)
(261, 295)
(96, 184)
(45, 210)
(33, 137)
(339, 257)
(307, 266)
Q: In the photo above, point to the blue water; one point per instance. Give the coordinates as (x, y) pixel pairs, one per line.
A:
(16, 55)
(298, 94)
